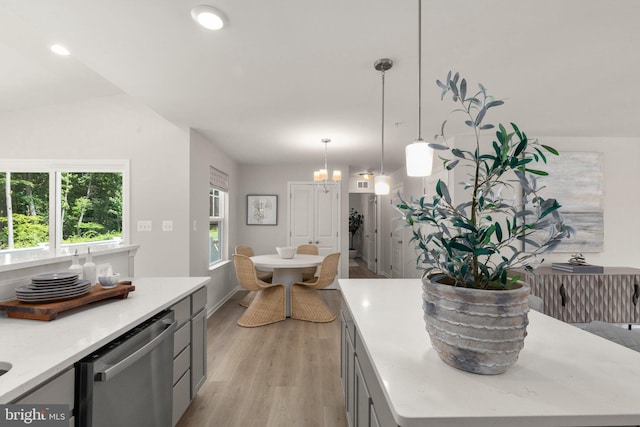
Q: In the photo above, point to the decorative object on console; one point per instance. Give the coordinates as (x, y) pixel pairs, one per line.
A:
(467, 258)
(262, 209)
(577, 264)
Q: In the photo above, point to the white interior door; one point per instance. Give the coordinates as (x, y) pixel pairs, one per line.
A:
(314, 217)
(301, 201)
(397, 240)
(371, 234)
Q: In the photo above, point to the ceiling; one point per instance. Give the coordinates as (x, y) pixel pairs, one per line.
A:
(286, 73)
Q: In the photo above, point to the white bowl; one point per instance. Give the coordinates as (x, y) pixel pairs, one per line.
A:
(109, 281)
(286, 251)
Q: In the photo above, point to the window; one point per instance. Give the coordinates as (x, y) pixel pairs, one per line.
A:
(218, 215)
(217, 226)
(54, 207)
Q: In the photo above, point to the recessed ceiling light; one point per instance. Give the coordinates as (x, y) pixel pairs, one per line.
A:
(60, 50)
(209, 17)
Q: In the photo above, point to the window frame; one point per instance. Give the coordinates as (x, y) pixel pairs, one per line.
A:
(223, 223)
(54, 167)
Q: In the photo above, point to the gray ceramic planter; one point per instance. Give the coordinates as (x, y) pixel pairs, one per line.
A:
(474, 330)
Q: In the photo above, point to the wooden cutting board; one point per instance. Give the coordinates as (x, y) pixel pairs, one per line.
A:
(50, 310)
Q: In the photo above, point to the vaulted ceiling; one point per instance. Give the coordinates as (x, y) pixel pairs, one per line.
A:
(286, 73)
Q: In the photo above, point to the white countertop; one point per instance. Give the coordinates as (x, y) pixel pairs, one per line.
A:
(39, 350)
(564, 376)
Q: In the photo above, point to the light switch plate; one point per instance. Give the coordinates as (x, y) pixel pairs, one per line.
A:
(144, 225)
(167, 225)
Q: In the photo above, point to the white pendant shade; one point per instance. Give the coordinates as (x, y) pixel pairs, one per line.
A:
(337, 175)
(419, 158)
(382, 184)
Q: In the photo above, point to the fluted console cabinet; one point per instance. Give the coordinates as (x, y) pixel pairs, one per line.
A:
(612, 296)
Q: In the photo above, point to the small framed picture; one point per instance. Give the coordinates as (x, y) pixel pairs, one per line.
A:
(262, 209)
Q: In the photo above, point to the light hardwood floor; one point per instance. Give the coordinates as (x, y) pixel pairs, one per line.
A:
(358, 270)
(280, 375)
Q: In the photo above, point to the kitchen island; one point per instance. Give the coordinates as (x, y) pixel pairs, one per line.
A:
(392, 376)
(38, 351)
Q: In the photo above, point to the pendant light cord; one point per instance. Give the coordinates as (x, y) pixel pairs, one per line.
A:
(419, 69)
(382, 136)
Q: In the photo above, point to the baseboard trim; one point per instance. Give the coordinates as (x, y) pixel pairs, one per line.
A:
(222, 301)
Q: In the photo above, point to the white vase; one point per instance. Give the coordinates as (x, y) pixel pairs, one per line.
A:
(475, 330)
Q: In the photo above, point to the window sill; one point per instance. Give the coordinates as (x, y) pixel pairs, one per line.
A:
(218, 265)
(14, 261)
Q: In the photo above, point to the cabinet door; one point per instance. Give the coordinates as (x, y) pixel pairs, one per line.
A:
(198, 352)
(350, 378)
(362, 399)
(572, 298)
(59, 391)
(620, 294)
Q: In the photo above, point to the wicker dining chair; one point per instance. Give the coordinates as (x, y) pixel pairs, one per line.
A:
(306, 303)
(308, 273)
(268, 306)
(265, 276)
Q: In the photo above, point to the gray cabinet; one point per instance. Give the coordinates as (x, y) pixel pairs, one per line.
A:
(611, 296)
(57, 391)
(198, 340)
(347, 364)
(189, 350)
(365, 403)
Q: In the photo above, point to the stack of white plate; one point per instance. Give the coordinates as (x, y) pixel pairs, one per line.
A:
(53, 287)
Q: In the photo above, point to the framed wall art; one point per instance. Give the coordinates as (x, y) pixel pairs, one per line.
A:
(262, 209)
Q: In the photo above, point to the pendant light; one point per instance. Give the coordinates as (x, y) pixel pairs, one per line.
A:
(418, 154)
(382, 182)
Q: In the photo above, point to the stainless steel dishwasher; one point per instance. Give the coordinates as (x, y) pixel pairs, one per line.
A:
(129, 381)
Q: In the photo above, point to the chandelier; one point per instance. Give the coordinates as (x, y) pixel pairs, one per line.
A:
(321, 176)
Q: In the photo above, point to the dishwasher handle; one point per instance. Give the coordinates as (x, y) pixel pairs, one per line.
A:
(114, 370)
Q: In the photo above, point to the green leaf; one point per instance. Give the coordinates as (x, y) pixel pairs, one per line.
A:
(463, 89)
(458, 153)
(484, 251)
(480, 117)
(550, 149)
(460, 247)
(520, 148)
(537, 172)
(498, 232)
(452, 165)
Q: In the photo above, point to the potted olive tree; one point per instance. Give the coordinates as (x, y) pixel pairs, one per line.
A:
(475, 311)
(355, 222)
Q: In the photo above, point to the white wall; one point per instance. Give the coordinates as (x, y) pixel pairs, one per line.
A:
(204, 154)
(117, 127)
(273, 179)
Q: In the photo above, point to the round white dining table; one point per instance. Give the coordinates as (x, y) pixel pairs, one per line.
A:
(286, 270)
